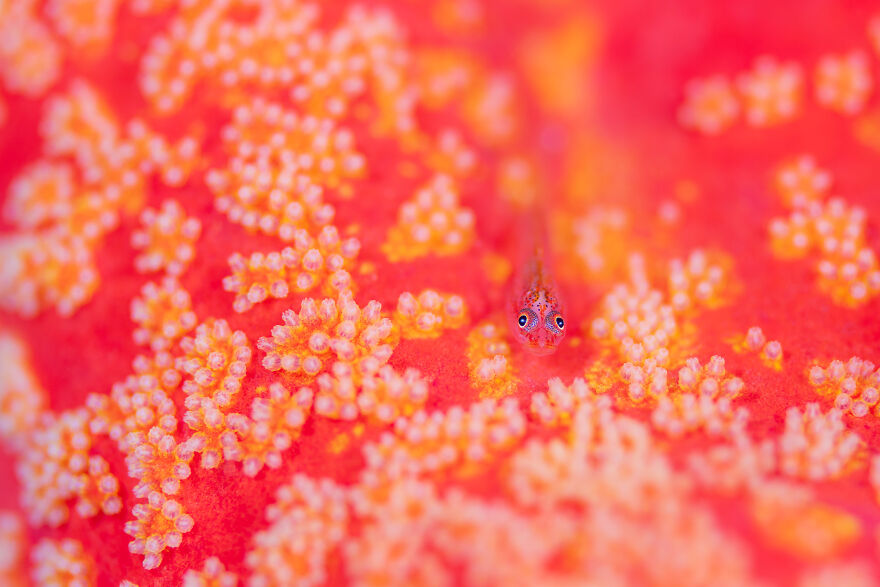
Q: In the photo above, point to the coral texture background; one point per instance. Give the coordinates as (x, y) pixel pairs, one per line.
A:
(255, 263)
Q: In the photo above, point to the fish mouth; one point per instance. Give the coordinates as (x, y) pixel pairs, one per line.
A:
(541, 350)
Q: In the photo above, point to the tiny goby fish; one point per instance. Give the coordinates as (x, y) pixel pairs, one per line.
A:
(535, 311)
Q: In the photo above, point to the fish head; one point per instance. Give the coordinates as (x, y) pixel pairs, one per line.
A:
(538, 324)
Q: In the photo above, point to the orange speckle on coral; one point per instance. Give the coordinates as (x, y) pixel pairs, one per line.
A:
(687, 191)
(159, 523)
(710, 105)
(754, 341)
(30, 54)
(383, 396)
(429, 314)
(311, 263)
(458, 16)
(559, 403)
(450, 155)
(709, 380)
(212, 436)
(306, 525)
(874, 32)
(157, 461)
(51, 271)
(13, 545)
(275, 423)
(856, 573)
(816, 445)
(86, 24)
(489, 359)
(216, 359)
(832, 233)
(57, 466)
(518, 181)
(874, 479)
(61, 562)
(339, 443)
(444, 75)
(138, 403)
(635, 320)
(803, 527)
(496, 267)
(332, 331)
(433, 222)
(596, 238)
(772, 91)
(557, 64)
(22, 398)
(279, 164)
(843, 82)
(41, 194)
(689, 413)
(800, 182)
(213, 574)
(163, 314)
(703, 279)
(166, 239)
(854, 385)
(866, 129)
(426, 444)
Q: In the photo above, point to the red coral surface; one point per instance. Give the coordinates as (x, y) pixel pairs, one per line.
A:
(254, 270)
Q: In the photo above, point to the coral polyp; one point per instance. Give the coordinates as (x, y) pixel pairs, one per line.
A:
(330, 331)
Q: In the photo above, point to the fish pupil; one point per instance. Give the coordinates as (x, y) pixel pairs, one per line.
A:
(560, 322)
(523, 319)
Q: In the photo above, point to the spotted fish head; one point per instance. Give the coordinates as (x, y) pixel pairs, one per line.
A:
(538, 322)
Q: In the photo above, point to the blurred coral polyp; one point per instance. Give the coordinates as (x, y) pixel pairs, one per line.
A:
(257, 260)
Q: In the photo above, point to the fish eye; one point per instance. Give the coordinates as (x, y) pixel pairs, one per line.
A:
(527, 320)
(554, 323)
